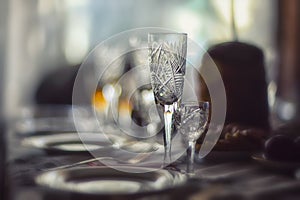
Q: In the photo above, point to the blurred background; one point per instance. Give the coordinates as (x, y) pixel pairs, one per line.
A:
(38, 37)
(42, 44)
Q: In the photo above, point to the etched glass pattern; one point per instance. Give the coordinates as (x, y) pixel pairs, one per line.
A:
(167, 67)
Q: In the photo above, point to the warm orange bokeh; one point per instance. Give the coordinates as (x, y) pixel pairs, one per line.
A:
(99, 101)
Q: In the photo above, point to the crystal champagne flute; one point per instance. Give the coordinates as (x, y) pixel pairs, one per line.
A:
(167, 59)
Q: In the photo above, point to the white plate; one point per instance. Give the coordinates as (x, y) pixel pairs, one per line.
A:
(68, 142)
(108, 181)
(88, 142)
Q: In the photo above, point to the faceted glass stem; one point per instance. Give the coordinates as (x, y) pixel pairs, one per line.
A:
(168, 118)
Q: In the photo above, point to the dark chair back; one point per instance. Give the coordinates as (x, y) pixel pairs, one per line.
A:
(2, 160)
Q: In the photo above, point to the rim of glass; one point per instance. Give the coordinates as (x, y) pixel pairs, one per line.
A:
(166, 33)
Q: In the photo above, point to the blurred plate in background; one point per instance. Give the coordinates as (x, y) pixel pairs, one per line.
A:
(68, 142)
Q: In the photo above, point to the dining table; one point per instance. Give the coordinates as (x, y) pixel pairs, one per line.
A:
(220, 175)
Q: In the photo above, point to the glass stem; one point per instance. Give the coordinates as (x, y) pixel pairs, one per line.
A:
(191, 156)
(168, 118)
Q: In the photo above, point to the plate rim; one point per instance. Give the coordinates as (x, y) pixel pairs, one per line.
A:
(175, 185)
(46, 146)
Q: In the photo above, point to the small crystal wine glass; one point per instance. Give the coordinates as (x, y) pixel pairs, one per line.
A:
(194, 120)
